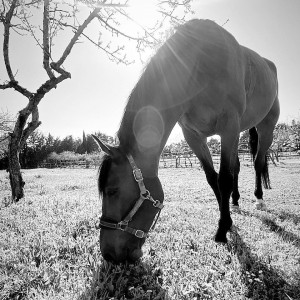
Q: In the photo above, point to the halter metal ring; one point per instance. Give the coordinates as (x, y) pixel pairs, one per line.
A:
(138, 176)
(140, 234)
(146, 195)
(157, 204)
(122, 225)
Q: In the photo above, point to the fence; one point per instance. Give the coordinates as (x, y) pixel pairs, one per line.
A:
(166, 161)
(191, 161)
(70, 164)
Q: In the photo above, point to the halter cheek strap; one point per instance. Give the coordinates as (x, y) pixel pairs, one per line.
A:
(144, 195)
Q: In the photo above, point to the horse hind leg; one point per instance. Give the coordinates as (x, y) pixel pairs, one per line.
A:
(261, 176)
(235, 193)
(263, 136)
(261, 139)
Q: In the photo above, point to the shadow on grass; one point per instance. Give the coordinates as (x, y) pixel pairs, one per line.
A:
(125, 281)
(273, 226)
(283, 215)
(284, 234)
(262, 280)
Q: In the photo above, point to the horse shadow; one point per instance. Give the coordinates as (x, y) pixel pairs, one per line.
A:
(124, 281)
(269, 222)
(283, 215)
(262, 281)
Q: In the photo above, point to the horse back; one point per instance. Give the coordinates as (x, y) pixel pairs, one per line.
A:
(229, 79)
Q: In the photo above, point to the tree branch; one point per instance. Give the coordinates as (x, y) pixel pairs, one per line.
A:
(7, 25)
(46, 48)
(56, 66)
(118, 31)
(15, 85)
(31, 127)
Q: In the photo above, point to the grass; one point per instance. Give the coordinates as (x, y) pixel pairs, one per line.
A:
(49, 245)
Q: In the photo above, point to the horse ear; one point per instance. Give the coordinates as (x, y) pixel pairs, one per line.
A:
(106, 148)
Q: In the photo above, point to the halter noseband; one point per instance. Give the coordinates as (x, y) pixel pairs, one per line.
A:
(144, 195)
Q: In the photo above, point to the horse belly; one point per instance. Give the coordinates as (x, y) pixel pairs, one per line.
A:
(202, 120)
(258, 106)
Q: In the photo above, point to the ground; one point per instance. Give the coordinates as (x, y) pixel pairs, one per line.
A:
(49, 246)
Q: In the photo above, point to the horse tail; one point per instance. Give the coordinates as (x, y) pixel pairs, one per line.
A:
(253, 144)
(253, 141)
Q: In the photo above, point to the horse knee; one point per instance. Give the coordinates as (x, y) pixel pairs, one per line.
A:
(225, 182)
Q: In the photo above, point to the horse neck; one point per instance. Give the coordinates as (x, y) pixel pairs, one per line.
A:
(144, 131)
(155, 105)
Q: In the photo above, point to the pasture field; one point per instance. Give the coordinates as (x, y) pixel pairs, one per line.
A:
(49, 247)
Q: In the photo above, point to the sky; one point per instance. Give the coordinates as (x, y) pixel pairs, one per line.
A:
(95, 97)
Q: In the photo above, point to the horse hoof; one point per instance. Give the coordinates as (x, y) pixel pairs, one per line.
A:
(235, 208)
(220, 238)
(260, 205)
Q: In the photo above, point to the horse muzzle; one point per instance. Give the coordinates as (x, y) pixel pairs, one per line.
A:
(120, 256)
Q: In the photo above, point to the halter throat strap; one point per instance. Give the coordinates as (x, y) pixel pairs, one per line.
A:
(144, 195)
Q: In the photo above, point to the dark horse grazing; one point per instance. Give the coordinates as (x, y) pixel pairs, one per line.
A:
(208, 83)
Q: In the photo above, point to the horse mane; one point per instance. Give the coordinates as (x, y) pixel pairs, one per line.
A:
(151, 73)
(166, 59)
(125, 133)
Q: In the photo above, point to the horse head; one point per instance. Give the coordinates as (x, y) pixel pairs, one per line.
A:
(128, 207)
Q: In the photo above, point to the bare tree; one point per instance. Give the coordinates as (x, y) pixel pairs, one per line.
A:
(55, 16)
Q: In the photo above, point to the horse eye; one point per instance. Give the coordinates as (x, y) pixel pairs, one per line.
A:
(111, 192)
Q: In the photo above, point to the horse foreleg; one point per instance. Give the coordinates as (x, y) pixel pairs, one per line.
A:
(200, 148)
(229, 143)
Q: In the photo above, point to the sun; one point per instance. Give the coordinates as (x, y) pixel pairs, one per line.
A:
(143, 16)
(143, 13)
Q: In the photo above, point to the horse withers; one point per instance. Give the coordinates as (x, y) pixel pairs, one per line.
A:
(208, 83)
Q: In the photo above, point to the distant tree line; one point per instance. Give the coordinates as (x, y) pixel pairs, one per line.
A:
(40, 147)
(286, 138)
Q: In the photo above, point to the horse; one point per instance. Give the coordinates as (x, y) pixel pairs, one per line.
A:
(203, 79)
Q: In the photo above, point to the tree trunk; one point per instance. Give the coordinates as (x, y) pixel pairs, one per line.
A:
(14, 168)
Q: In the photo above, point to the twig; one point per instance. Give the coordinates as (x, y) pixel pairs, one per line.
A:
(118, 31)
(56, 66)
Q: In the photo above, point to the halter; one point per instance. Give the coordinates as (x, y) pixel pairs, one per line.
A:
(144, 195)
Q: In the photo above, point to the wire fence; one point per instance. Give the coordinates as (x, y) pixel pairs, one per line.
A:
(166, 161)
(171, 161)
(191, 161)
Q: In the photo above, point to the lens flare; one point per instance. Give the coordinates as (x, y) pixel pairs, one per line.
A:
(148, 127)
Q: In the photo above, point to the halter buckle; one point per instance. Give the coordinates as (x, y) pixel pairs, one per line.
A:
(140, 234)
(158, 204)
(137, 174)
(146, 195)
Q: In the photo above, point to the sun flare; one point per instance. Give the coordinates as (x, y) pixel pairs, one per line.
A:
(143, 13)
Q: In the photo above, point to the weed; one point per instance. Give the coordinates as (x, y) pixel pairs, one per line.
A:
(70, 188)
